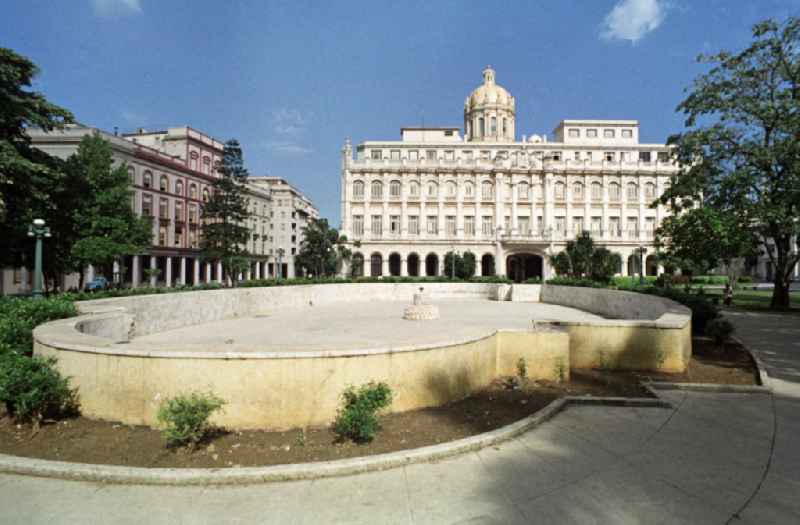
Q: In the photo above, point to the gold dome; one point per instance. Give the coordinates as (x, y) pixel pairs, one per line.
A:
(489, 93)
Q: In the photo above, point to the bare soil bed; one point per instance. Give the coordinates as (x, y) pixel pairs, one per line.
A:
(729, 364)
(100, 442)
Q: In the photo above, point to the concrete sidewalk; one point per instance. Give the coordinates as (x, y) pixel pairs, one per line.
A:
(713, 458)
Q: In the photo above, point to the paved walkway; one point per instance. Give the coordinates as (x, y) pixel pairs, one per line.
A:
(713, 458)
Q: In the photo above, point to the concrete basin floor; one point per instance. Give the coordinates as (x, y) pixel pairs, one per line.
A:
(361, 325)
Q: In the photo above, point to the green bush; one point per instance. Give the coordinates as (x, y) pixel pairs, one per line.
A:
(534, 280)
(709, 279)
(33, 389)
(745, 279)
(19, 316)
(703, 310)
(720, 329)
(185, 417)
(357, 418)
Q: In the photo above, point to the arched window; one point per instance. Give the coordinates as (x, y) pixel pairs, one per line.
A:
(650, 191)
(452, 190)
(524, 191)
(413, 189)
(376, 265)
(394, 189)
(179, 187)
(132, 174)
(469, 190)
(376, 189)
(358, 189)
(613, 191)
(561, 191)
(481, 127)
(577, 191)
(164, 183)
(206, 165)
(193, 160)
(433, 190)
(147, 179)
(632, 191)
(193, 191)
(487, 190)
(206, 195)
(597, 191)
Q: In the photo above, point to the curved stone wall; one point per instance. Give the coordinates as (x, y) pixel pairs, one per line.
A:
(126, 383)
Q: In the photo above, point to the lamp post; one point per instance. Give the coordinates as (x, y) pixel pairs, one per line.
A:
(642, 251)
(279, 269)
(38, 230)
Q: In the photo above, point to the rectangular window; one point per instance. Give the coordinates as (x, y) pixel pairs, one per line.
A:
(613, 226)
(469, 225)
(450, 223)
(449, 155)
(467, 155)
(163, 209)
(162, 236)
(609, 156)
(377, 154)
(178, 235)
(487, 226)
(524, 225)
(633, 226)
(663, 156)
(597, 225)
(395, 154)
(591, 133)
(608, 133)
(413, 155)
(377, 225)
(394, 224)
(358, 225)
(650, 225)
(413, 224)
(507, 223)
(561, 225)
(433, 225)
(627, 133)
(574, 133)
(644, 156)
(589, 156)
(430, 154)
(577, 224)
(577, 155)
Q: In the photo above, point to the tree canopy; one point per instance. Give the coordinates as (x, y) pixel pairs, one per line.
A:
(106, 226)
(582, 259)
(740, 152)
(225, 232)
(322, 250)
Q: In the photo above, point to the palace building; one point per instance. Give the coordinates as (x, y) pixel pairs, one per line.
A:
(510, 202)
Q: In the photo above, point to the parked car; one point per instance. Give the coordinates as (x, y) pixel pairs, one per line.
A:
(98, 283)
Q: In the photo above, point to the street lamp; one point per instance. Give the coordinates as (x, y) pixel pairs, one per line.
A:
(38, 230)
(642, 251)
(279, 269)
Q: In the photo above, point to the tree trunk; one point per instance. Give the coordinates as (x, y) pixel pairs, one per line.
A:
(780, 294)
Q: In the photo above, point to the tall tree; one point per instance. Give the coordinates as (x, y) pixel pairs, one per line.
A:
(740, 153)
(106, 224)
(225, 232)
(582, 259)
(323, 250)
(32, 184)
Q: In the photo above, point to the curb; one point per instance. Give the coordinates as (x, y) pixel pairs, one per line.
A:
(302, 471)
(710, 387)
(763, 376)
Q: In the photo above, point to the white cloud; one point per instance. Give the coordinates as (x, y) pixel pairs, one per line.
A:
(633, 19)
(115, 8)
(288, 125)
(288, 147)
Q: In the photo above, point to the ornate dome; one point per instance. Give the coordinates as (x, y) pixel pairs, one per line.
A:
(489, 111)
(488, 93)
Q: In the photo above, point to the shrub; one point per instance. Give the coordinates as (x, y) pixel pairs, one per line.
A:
(720, 329)
(575, 281)
(357, 418)
(534, 280)
(33, 389)
(703, 311)
(522, 368)
(185, 417)
(19, 316)
(745, 279)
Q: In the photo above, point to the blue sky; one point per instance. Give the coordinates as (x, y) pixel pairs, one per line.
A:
(290, 80)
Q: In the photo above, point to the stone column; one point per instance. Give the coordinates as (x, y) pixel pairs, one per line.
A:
(182, 281)
(478, 265)
(548, 201)
(624, 263)
(168, 272)
(570, 233)
(403, 267)
(136, 270)
(459, 207)
(514, 198)
(499, 214)
(385, 266)
(220, 277)
(208, 272)
(153, 266)
(258, 270)
(606, 234)
(196, 272)
(89, 274)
